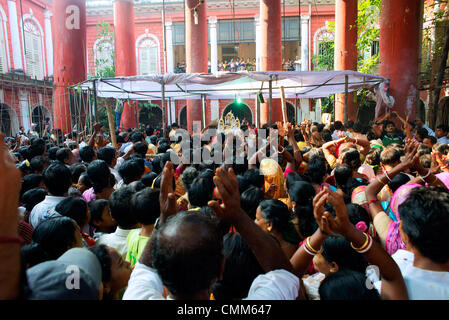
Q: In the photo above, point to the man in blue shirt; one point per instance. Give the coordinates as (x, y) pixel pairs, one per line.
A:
(441, 133)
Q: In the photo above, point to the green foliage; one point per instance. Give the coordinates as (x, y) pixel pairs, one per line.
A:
(103, 66)
(324, 61)
(145, 113)
(327, 104)
(367, 32)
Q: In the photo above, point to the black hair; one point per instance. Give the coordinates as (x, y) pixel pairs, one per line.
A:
(255, 178)
(132, 170)
(52, 153)
(327, 135)
(136, 137)
(345, 181)
(107, 154)
(63, 154)
(57, 179)
(32, 197)
(38, 163)
(425, 220)
(101, 252)
(85, 178)
(338, 249)
(37, 147)
(298, 136)
(145, 205)
(200, 258)
(422, 132)
(316, 170)
(148, 179)
(96, 208)
(188, 176)
(241, 268)
(347, 285)
(98, 173)
(31, 181)
(50, 239)
(277, 212)
(291, 178)
(87, 154)
(423, 149)
(358, 214)
(351, 156)
(120, 207)
(250, 200)
(140, 148)
(201, 189)
(243, 183)
(163, 147)
(338, 125)
(302, 193)
(77, 169)
(75, 208)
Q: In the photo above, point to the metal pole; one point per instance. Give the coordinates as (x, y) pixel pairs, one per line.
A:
(270, 99)
(95, 100)
(346, 98)
(164, 125)
(203, 110)
(164, 35)
(296, 110)
(257, 113)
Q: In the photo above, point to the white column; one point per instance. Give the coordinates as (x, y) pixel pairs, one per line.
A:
(258, 42)
(24, 110)
(173, 111)
(214, 110)
(213, 44)
(16, 43)
(49, 41)
(304, 43)
(169, 44)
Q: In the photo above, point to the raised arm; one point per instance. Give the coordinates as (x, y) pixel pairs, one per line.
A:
(393, 285)
(266, 250)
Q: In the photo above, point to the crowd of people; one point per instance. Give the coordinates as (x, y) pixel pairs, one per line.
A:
(318, 212)
(238, 64)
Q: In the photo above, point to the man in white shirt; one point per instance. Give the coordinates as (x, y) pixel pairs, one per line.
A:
(185, 254)
(57, 179)
(120, 207)
(424, 225)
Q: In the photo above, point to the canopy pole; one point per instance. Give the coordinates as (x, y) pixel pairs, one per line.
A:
(270, 99)
(346, 98)
(95, 100)
(257, 113)
(111, 125)
(203, 110)
(296, 110)
(164, 124)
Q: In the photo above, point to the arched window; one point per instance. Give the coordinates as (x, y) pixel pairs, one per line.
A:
(3, 44)
(104, 57)
(148, 55)
(34, 53)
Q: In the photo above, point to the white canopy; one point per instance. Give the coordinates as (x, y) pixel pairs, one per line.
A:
(226, 85)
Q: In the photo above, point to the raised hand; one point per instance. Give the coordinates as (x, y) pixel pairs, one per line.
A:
(341, 223)
(228, 188)
(167, 198)
(318, 212)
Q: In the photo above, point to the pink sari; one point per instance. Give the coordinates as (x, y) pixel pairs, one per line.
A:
(393, 241)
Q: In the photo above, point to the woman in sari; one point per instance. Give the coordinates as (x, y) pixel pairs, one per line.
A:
(274, 179)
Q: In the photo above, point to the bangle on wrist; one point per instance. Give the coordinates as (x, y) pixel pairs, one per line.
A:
(386, 174)
(378, 179)
(309, 249)
(367, 239)
(425, 176)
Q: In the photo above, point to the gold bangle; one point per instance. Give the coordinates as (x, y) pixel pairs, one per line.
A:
(363, 246)
(309, 246)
